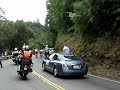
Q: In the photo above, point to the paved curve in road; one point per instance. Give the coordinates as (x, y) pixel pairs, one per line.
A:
(40, 80)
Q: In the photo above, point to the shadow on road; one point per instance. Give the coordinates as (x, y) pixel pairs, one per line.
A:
(66, 77)
(72, 77)
(20, 78)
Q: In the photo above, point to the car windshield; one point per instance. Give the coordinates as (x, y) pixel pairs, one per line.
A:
(72, 57)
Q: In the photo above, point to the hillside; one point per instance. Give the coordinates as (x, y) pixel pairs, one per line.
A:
(91, 28)
(101, 54)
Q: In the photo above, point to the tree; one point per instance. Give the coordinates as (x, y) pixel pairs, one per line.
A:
(106, 15)
(2, 14)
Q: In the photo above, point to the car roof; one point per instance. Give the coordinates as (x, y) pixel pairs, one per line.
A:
(65, 55)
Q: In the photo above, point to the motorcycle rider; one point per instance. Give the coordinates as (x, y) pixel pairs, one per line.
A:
(15, 52)
(26, 56)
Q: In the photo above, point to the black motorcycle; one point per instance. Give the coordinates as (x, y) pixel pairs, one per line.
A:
(25, 69)
(15, 59)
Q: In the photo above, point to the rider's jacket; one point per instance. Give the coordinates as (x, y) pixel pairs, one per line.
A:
(15, 53)
(27, 55)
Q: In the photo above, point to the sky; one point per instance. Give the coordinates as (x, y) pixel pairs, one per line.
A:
(27, 10)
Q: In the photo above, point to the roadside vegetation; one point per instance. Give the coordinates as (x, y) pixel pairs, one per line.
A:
(91, 28)
(15, 34)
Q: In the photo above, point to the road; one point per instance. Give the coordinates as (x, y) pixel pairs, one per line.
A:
(40, 80)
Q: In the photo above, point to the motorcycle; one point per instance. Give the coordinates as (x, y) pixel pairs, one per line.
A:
(25, 69)
(15, 59)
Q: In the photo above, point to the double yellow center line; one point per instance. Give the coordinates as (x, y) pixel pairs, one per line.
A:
(48, 81)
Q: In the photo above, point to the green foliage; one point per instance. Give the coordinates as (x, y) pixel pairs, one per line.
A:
(106, 15)
(57, 17)
(82, 16)
(15, 34)
(88, 17)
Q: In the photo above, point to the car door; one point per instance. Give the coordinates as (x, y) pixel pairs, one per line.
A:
(53, 62)
(47, 61)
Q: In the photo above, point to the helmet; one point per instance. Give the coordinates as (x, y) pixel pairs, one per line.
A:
(46, 45)
(15, 49)
(23, 48)
(27, 48)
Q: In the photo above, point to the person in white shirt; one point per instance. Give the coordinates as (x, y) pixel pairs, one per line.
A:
(46, 51)
(36, 52)
(66, 50)
(15, 52)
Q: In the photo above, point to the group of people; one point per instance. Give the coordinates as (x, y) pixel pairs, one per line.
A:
(26, 53)
(44, 51)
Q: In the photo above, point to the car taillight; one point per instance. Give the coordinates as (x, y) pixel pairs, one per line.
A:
(25, 67)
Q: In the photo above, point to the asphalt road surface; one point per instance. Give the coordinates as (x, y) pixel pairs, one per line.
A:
(41, 80)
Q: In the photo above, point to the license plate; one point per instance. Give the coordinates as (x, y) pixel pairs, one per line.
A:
(25, 68)
(76, 67)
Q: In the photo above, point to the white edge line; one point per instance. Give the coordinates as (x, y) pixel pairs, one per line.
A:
(104, 78)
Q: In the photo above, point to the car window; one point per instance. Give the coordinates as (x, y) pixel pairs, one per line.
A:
(55, 57)
(51, 56)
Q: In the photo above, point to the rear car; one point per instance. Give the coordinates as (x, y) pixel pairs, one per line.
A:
(69, 65)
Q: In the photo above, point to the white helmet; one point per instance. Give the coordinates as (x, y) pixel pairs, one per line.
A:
(46, 45)
(15, 49)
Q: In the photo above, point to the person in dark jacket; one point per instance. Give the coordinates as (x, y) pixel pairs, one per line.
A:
(1, 62)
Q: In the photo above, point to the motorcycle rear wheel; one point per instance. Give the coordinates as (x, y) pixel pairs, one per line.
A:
(24, 76)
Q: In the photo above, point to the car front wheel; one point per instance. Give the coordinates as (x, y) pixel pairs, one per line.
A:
(43, 67)
(55, 72)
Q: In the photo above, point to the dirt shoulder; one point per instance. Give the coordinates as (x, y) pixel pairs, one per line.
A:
(102, 71)
(103, 57)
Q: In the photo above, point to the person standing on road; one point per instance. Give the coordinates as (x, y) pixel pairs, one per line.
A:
(66, 50)
(1, 62)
